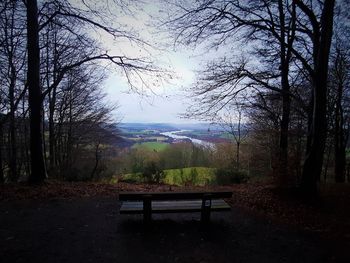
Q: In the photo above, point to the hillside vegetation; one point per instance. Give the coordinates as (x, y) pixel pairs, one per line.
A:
(185, 176)
(153, 146)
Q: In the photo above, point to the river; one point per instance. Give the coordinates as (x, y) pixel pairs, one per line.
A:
(174, 135)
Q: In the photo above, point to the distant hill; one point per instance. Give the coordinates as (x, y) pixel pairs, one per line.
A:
(168, 126)
(147, 126)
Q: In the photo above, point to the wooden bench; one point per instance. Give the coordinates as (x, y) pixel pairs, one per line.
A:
(173, 202)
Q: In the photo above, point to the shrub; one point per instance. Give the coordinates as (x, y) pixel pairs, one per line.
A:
(231, 176)
(193, 176)
(152, 173)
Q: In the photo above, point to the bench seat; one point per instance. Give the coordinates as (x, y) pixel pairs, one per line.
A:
(139, 196)
(173, 202)
(173, 206)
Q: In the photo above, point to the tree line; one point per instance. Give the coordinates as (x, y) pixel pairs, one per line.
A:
(287, 64)
(52, 68)
(150, 163)
(283, 64)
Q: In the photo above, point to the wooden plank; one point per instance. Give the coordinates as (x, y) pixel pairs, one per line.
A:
(196, 203)
(138, 196)
(173, 206)
(147, 209)
(206, 208)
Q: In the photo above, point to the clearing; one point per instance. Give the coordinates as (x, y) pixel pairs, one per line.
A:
(79, 222)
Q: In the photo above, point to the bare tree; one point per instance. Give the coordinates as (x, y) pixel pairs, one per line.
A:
(318, 28)
(267, 29)
(38, 170)
(339, 76)
(12, 53)
(81, 120)
(232, 122)
(297, 31)
(70, 18)
(339, 90)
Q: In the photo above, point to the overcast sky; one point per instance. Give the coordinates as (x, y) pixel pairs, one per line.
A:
(169, 99)
(165, 105)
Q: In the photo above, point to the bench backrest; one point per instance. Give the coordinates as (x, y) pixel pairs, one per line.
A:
(139, 196)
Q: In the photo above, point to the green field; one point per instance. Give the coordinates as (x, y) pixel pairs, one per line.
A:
(184, 176)
(191, 175)
(226, 135)
(153, 146)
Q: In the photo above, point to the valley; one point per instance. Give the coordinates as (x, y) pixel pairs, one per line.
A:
(156, 136)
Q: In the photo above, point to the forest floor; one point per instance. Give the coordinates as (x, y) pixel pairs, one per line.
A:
(79, 222)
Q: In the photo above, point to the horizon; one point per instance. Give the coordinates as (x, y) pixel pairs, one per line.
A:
(189, 123)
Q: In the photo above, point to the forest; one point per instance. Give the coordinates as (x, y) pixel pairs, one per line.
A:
(290, 81)
(270, 111)
(282, 68)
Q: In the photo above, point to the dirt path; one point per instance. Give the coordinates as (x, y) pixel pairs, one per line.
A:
(90, 230)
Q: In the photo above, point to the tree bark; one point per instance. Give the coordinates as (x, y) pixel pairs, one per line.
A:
(314, 159)
(97, 159)
(328, 155)
(12, 131)
(38, 170)
(12, 127)
(283, 156)
(52, 140)
(339, 157)
(238, 139)
(238, 144)
(285, 55)
(2, 176)
(340, 136)
(52, 106)
(339, 140)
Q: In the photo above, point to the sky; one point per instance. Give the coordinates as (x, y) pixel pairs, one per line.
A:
(165, 102)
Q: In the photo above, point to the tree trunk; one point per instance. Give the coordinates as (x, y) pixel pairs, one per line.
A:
(52, 139)
(12, 127)
(339, 133)
(25, 129)
(12, 131)
(314, 159)
(238, 139)
(285, 55)
(340, 163)
(2, 176)
(298, 159)
(238, 144)
(38, 170)
(339, 144)
(43, 134)
(52, 107)
(283, 156)
(328, 155)
(97, 158)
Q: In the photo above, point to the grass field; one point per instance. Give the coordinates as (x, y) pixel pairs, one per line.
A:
(185, 176)
(226, 135)
(191, 175)
(153, 146)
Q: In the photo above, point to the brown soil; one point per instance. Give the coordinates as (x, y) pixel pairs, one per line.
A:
(79, 222)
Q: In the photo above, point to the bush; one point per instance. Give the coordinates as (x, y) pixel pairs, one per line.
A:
(129, 180)
(152, 173)
(230, 176)
(193, 176)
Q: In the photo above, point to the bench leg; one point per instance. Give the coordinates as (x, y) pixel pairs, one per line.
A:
(147, 210)
(206, 208)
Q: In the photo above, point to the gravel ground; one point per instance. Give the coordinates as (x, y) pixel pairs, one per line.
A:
(91, 230)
